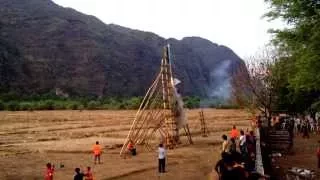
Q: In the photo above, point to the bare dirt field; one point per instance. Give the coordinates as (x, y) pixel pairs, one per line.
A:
(303, 154)
(28, 140)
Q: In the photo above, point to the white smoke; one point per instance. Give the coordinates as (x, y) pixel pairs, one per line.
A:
(219, 89)
(220, 85)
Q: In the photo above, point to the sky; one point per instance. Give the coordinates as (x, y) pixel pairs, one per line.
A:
(237, 24)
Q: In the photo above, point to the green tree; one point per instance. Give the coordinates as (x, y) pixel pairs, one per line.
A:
(300, 43)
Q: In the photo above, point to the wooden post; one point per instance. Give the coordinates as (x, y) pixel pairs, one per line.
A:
(204, 130)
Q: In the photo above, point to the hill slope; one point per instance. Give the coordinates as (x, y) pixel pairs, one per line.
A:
(49, 47)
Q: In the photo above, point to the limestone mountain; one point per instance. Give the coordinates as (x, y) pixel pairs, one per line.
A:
(44, 47)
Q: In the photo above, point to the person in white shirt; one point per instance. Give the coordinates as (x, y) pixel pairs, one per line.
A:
(162, 158)
(297, 123)
(242, 142)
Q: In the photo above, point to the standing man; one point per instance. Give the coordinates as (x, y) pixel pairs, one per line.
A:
(162, 158)
(97, 152)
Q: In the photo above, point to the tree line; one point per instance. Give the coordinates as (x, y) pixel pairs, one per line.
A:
(49, 101)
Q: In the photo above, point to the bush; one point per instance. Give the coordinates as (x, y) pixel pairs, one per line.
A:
(2, 106)
(45, 105)
(93, 105)
(133, 103)
(59, 105)
(73, 105)
(26, 106)
(13, 106)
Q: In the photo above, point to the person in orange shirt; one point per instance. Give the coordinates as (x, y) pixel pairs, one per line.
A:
(97, 152)
(234, 132)
(49, 172)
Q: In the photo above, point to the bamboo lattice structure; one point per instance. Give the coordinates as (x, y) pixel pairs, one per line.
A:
(159, 111)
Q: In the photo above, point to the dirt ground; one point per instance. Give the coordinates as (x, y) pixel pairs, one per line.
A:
(28, 140)
(303, 154)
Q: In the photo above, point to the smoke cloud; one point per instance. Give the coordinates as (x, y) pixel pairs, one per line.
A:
(220, 86)
(219, 89)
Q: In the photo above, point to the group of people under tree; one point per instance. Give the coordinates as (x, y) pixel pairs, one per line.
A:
(237, 156)
(299, 124)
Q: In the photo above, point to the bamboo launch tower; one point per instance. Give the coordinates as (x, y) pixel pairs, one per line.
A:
(161, 114)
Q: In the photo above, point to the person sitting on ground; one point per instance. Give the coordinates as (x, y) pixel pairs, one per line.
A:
(233, 146)
(79, 175)
(162, 158)
(225, 143)
(88, 175)
(131, 148)
(220, 166)
(234, 132)
(49, 172)
(97, 152)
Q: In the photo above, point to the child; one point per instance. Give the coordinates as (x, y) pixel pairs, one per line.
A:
(88, 174)
(49, 172)
(78, 175)
(97, 152)
(162, 158)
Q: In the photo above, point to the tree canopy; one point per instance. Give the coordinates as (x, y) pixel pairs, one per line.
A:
(299, 46)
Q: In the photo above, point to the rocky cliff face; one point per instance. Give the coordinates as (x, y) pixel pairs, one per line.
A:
(47, 47)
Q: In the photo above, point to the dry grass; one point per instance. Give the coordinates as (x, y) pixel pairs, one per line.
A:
(66, 137)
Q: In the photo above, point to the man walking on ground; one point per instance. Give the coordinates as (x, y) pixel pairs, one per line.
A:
(97, 152)
(162, 158)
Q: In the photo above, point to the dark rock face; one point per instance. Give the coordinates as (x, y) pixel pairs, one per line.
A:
(54, 47)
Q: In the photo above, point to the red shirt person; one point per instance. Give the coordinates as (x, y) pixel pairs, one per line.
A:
(234, 132)
(88, 175)
(49, 172)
